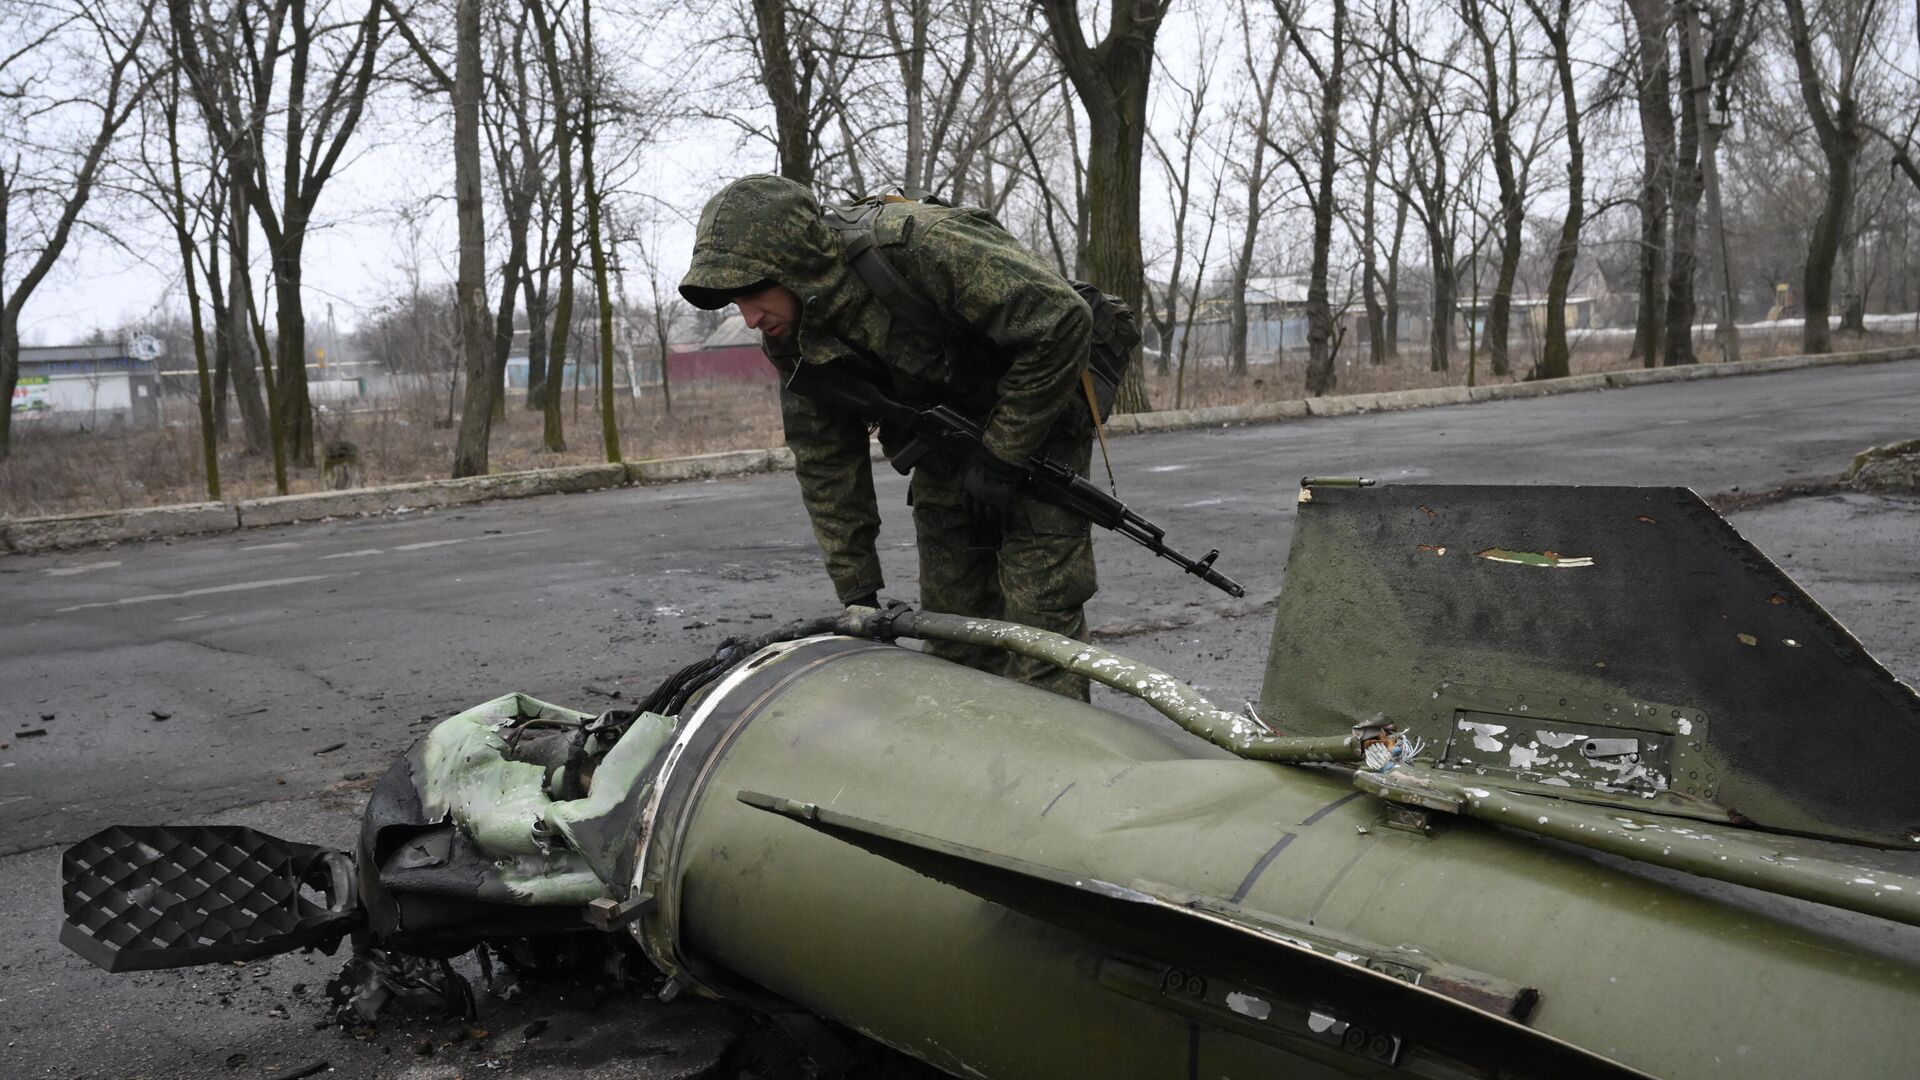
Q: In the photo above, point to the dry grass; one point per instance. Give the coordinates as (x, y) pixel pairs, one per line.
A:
(72, 472)
(1285, 378)
(76, 472)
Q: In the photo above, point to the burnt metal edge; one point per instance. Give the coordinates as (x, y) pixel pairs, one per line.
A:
(723, 718)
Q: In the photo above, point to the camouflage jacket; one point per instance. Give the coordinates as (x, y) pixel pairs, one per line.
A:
(1012, 353)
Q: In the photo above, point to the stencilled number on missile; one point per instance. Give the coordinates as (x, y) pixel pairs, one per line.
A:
(1184, 983)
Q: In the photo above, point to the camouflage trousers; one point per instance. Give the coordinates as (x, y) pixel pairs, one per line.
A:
(1042, 575)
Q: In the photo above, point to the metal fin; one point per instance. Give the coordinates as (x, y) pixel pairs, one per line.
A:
(1144, 924)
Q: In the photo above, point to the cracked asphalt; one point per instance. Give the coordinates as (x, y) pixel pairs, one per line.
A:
(266, 677)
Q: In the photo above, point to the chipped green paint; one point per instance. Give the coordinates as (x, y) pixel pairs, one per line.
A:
(1672, 979)
(614, 779)
(1244, 735)
(463, 774)
(1535, 558)
(1788, 866)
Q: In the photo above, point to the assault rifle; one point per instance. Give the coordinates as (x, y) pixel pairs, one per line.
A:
(946, 435)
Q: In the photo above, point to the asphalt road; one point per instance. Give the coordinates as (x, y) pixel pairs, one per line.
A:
(265, 677)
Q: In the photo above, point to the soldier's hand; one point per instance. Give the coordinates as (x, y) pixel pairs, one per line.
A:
(988, 489)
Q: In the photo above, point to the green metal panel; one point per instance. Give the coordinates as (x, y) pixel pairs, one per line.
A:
(1539, 612)
(1657, 976)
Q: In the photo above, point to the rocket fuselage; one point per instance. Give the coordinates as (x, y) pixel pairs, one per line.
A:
(1657, 976)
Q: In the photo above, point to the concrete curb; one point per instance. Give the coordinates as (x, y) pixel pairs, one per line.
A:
(81, 530)
(313, 506)
(29, 535)
(709, 466)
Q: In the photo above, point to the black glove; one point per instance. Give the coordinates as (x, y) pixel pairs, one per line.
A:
(988, 488)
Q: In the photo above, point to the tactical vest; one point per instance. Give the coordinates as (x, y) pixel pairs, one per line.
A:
(1116, 332)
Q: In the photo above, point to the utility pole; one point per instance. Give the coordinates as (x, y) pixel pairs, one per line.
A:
(1712, 126)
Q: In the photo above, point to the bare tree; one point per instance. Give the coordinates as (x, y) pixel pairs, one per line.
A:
(1199, 280)
(1432, 142)
(1652, 66)
(465, 88)
(167, 192)
(787, 72)
(47, 175)
(1258, 117)
(1828, 54)
(1555, 356)
(566, 246)
(520, 160)
(216, 75)
(1371, 154)
(1328, 88)
(590, 92)
(1179, 175)
(318, 119)
(1498, 83)
(1112, 79)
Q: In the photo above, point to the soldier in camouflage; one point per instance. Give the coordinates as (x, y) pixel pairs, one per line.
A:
(1008, 347)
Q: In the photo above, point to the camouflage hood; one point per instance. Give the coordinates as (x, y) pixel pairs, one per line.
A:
(764, 228)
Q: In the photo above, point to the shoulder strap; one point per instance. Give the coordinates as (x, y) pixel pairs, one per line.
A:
(855, 224)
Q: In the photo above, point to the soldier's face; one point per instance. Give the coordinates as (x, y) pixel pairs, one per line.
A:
(774, 311)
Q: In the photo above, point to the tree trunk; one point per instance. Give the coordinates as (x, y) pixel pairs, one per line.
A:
(255, 423)
(609, 423)
(275, 433)
(1654, 97)
(1369, 226)
(789, 94)
(177, 203)
(536, 301)
(1838, 130)
(1823, 253)
(1256, 207)
(290, 327)
(1500, 304)
(1391, 322)
(1512, 199)
(1112, 82)
(1440, 259)
(603, 305)
(222, 348)
(9, 369)
(503, 323)
(1853, 292)
(553, 434)
(476, 412)
(1237, 305)
(1556, 357)
(1320, 338)
(1684, 264)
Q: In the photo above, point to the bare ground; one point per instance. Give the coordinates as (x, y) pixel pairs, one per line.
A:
(77, 472)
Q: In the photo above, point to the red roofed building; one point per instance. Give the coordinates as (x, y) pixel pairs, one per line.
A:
(730, 354)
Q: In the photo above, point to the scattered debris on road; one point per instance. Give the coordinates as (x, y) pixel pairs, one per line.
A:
(1891, 469)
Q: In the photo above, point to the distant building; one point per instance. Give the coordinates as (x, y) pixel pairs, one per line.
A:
(1529, 314)
(1277, 320)
(87, 387)
(730, 354)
